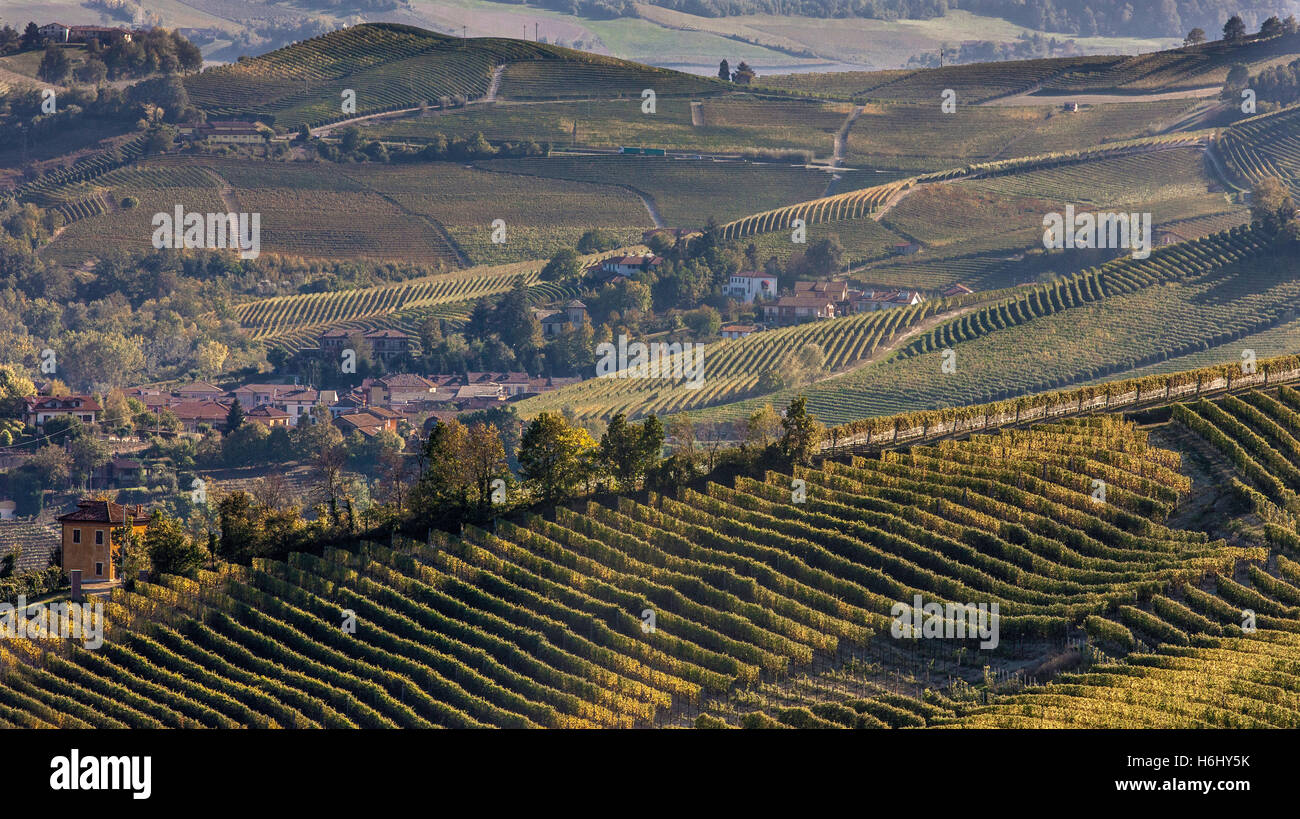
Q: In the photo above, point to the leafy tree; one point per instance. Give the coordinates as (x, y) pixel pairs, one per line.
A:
(14, 388)
(1271, 27)
(1272, 208)
(484, 457)
(87, 455)
(801, 433)
(349, 138)
(246, 445)
(1238, 78)
(597, 241)
(762, 427)
(552, 456)
(629, 451)
(170, 548)
(51, 466)
(129, 553)
(441, 490)
(1194, 37)
(1234, 29)
(92, 72)
(743, 75)
(565, 264)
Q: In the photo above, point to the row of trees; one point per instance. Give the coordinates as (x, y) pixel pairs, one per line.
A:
(465, 474)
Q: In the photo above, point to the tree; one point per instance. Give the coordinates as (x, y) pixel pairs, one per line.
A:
(441, 490)
(724, 71)
(14, 388)
(1238, 78)
(54, 66)
(328, 463)
(629, 451)
(234, 418)
(761, 428)
(597, 241)
(801, 433)
(349, 138)
(552, 455)
(129, 553)
(743, 75)
(1194, 37)
(87, 455)
(1234, 29)
(484, 457)
(92, 72)
(31, 37)
(825, 257)
(565, 264)
(171, 550)
(1271, 27)
(51, 466)
(1272, 208)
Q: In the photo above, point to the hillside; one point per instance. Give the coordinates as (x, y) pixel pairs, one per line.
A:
(392, 67)
(541, 624)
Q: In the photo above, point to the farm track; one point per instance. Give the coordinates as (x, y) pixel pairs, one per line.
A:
(840, 144)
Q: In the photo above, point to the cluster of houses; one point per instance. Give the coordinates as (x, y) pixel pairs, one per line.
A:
(811, 300)
(378, 404)
(60, 33)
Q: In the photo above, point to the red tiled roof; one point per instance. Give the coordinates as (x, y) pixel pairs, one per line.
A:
(104, 511)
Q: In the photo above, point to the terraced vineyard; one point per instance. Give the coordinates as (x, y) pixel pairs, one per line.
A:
(294, 321)
(733, 369)
(1263, 146)
(540, 624)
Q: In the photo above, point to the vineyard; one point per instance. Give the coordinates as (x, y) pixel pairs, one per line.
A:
(865, 202)
(296, 321)
(542, 623)
(1097, 324)
(1262, 146)
(734, 369)
(686, 192)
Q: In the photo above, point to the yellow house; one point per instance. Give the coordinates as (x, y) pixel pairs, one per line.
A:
(88, 536)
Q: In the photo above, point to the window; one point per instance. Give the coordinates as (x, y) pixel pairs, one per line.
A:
(99, 570)
(76, 535)
(99, 537)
